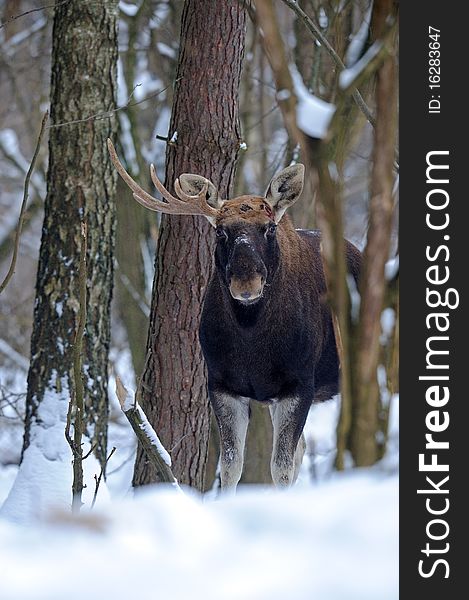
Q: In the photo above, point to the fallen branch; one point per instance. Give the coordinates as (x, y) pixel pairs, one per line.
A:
(11, 270)
(146, 435)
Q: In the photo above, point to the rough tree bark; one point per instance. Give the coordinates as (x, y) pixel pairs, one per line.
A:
(205, 117)
(80, 185)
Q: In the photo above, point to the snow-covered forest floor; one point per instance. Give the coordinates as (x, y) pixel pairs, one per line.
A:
(333, 536)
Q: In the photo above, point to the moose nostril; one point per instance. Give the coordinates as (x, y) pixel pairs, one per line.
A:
(246, 295)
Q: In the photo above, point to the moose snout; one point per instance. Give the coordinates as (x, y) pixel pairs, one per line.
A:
(247, 290)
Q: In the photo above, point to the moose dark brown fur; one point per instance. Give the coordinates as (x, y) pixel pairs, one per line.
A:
(266, 329)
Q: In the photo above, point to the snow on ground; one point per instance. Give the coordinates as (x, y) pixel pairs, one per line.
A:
(334, 542)
(332, 537)
(44, 477)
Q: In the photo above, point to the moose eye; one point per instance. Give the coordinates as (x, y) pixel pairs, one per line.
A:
(271, 229)
(220, 233)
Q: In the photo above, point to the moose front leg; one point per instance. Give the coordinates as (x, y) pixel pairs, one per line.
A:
(232, 414)
(288, 419)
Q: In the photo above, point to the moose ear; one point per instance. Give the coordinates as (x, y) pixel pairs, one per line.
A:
(285, 189)
(193, 184)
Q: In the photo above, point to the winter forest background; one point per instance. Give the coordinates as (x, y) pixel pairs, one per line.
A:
(114, 69)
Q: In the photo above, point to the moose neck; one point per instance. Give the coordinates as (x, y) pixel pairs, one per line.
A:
(247, 316)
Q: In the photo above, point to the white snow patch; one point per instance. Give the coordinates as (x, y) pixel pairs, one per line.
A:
(129, 401)
(59, 308)
(347, 76)
(333, 171)
(357, 43)
(391, 268)
(329, 542)
(313, 115)
(122, 92)
(44, 479)
(320, 435)
(120, 433)
(166, 50)
(388, 318)
(323, 19)
(283, 95)
(7, 478)
(129, 9)
(355, 299)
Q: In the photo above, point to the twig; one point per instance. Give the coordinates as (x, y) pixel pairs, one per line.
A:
(266, 114)
(108, 114)
(145, 434)
(98, 479)
(318, 35)
(11, 270)
(5, 400)
(33, 10)
(90, 451)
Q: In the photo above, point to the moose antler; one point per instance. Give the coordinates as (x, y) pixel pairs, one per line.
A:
(183, 205)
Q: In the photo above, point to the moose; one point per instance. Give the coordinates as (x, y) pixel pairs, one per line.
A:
(266, 330)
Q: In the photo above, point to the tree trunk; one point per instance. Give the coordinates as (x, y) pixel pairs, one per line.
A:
(366, 403)
(258, 446)
(130, 273)
(173, 393)
(80, 185)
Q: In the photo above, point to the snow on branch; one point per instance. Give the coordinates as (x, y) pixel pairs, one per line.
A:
(315, 30)
(367, 64)
(358, 41)
(313, 115)
(145, 433)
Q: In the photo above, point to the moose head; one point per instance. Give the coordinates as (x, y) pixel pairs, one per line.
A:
(247, 251)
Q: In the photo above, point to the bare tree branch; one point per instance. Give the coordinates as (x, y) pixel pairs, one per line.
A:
(11, 270)
(33, 10)
(108, 114)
